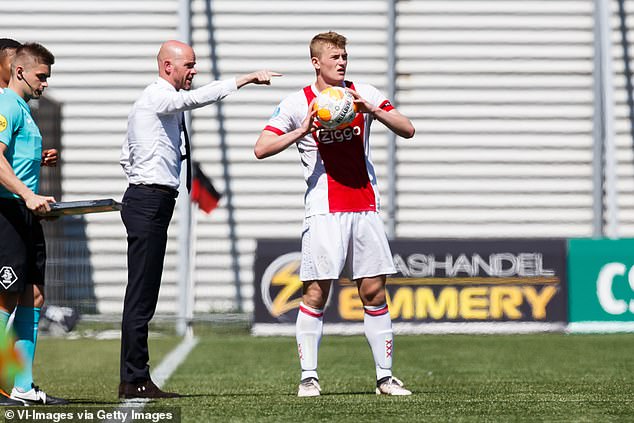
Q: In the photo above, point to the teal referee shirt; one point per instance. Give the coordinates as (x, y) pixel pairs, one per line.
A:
(22, 137)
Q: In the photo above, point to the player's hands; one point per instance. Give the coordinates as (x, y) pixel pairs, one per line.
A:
(39, 204)
(310, 123)
(50, 157)
(261, 77)
(362, 105)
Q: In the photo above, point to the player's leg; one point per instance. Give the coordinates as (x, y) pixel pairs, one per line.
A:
(377, 325)
(372, 261)
(309, 329)
(323, 257)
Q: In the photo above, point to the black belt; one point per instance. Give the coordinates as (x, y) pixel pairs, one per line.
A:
(163, 188)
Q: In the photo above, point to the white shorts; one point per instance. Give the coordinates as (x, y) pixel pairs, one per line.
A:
(351, 245)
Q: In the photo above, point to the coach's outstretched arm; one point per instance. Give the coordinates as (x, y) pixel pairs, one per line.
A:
(261, 77)
(269, 143)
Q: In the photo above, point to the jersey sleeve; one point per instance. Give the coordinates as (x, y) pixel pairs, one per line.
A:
(9, 121)
(282, 120)
(376, 97)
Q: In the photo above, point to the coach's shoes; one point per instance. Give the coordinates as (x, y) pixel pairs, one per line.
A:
(391, 386)
(309, 387)
(144, 389)
(36, 396)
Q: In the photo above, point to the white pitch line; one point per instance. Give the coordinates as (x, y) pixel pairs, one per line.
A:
(160, 375)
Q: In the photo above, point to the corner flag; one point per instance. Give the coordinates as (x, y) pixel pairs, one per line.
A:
(203, 192)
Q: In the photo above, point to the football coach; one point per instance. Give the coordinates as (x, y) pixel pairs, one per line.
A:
(151, 159)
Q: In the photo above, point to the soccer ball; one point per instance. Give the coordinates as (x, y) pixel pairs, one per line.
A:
(335, 108)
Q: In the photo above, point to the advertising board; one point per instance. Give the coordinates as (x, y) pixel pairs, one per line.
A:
(440, 286)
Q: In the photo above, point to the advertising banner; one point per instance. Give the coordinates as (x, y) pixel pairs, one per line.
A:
(601, 274)
(440, 286)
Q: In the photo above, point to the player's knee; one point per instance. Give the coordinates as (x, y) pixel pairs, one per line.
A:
(374, 296)
(315, 294)
(315, 299)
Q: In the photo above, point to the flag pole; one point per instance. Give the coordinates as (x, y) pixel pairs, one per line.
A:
(184, 202)
(190, 295)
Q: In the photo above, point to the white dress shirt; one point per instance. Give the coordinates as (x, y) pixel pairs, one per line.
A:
(151, 152)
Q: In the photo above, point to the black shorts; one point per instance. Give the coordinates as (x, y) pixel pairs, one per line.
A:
(23, 252)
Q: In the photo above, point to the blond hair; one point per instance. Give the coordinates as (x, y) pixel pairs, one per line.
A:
(324, 39)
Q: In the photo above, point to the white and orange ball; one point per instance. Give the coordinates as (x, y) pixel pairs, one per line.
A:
(335, 108)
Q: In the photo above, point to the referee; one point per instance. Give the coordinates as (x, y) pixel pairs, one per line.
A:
(23, 252)
(151, 159)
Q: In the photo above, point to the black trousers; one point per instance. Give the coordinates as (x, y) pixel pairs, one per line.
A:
(146, 214)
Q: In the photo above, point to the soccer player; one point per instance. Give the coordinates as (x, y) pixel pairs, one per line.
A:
(23, 252)
(343, 233)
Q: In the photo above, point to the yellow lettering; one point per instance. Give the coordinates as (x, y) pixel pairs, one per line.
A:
(445, 306)
(506, 300)
(473, 303)
(539, 301)
(350, 306)
(402, 305)
(469, 303)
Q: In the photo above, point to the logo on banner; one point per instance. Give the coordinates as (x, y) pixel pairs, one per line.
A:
(605, 288)
(281, 288)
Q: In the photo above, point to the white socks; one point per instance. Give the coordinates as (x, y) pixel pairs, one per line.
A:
(309, 328)
(377, 324)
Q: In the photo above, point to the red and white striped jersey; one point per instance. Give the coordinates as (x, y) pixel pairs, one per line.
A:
(337, 164)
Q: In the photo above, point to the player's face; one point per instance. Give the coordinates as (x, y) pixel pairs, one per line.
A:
(184, 70)
(332, 63)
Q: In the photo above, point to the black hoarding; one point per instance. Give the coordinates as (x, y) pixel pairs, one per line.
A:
(475, 282)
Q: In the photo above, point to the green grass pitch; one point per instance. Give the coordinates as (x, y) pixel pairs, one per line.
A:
(458, 378)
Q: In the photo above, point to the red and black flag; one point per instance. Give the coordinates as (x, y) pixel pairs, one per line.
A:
(203, 192)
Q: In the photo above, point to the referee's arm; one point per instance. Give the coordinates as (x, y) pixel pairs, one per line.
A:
(8, 179)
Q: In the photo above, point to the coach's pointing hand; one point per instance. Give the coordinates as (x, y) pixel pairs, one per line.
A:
(261, 77)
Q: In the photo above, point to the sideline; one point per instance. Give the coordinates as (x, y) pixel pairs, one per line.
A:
(160, 375)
